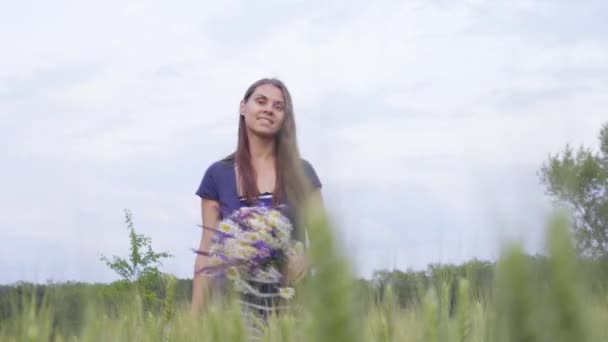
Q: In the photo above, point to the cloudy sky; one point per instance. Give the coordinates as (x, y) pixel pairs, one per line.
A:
(426, 120)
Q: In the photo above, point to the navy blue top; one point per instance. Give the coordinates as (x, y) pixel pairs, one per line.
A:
(219, 184)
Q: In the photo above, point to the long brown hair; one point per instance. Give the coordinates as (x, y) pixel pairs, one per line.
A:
(290, 177)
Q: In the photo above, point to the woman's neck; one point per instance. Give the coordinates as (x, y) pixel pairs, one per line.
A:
(261, 149)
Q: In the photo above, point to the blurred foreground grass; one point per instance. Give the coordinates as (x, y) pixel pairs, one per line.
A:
(525, 304)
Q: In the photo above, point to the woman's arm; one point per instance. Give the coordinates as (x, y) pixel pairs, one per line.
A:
(210, 211)
(298, 261)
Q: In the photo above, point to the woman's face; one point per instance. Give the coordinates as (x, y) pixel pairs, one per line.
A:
(264, 111)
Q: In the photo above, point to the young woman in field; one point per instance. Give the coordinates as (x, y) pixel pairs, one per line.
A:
(266, 169)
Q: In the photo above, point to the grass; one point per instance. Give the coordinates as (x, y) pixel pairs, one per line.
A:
(524, 306)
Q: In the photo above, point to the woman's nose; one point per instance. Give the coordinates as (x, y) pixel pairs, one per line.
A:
(268, 109)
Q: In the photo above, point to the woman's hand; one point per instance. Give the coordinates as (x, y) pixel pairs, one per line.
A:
(297, 264)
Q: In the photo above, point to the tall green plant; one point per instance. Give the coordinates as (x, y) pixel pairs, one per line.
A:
(142, 260)
(141, 267)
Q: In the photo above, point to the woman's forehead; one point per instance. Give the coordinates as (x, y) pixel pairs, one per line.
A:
(269, 91)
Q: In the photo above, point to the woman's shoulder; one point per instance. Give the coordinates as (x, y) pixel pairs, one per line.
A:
(311, 173)
(221, 165)
(305, 163)
(216, 177)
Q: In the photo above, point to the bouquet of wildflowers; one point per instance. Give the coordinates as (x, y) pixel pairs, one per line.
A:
(252, 243)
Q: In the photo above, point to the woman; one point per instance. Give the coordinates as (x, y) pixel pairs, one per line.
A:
(266, 169)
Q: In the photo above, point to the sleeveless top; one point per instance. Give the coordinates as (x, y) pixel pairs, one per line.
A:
(219, 184)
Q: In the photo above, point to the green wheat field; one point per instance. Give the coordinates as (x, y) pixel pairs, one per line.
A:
(558, 298)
